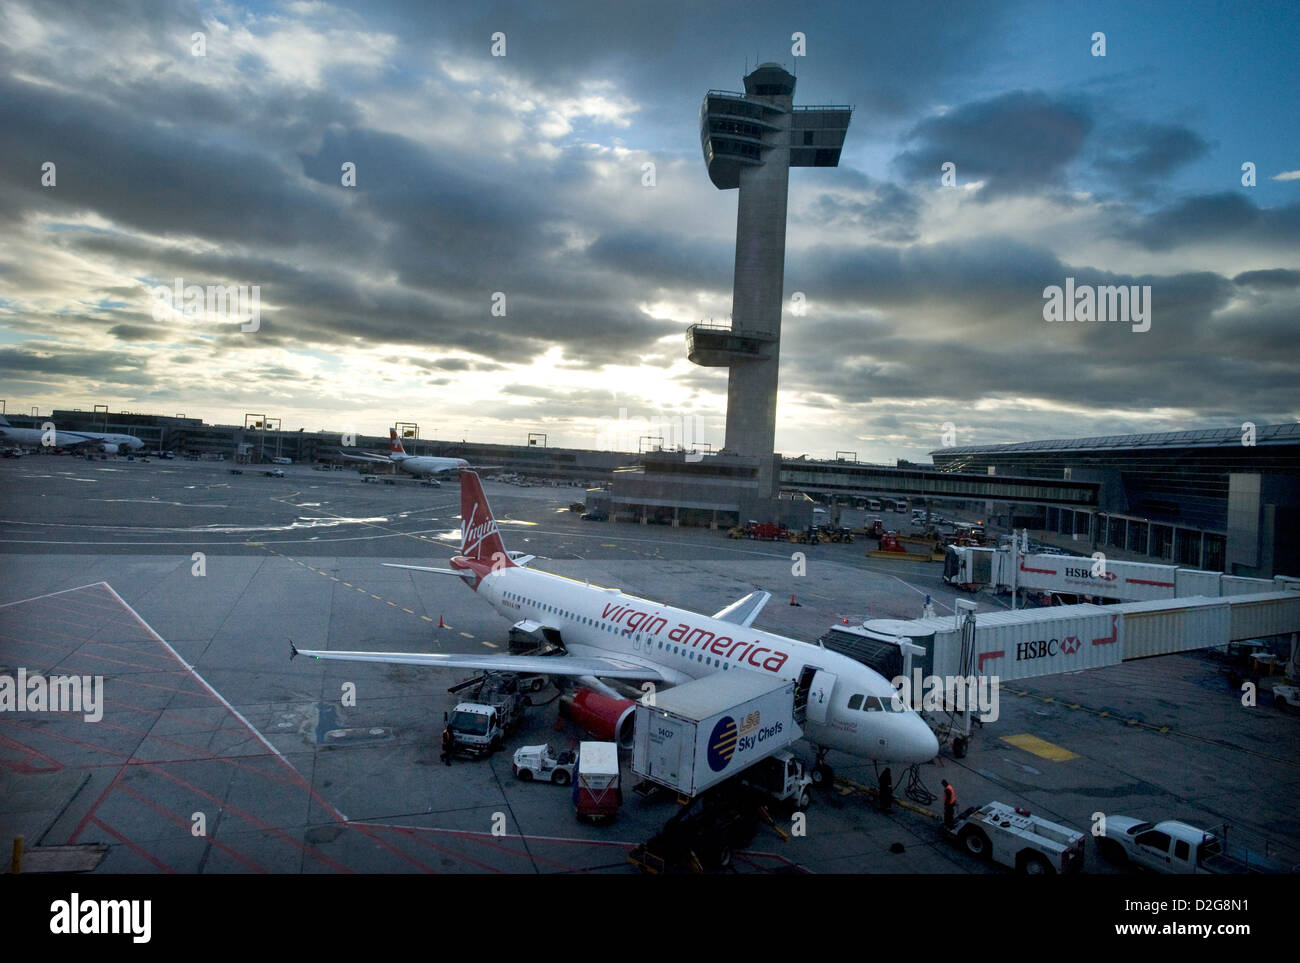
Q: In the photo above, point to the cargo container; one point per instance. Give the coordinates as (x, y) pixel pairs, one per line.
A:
(698, 734)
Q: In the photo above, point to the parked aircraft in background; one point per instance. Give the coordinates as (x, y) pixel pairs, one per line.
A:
(110, 443)
(421, 466)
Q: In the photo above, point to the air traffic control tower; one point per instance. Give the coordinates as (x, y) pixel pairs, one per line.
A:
(750, 142)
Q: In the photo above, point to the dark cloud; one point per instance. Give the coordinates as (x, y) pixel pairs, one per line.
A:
(1016, 143)
(1135, 155)
(1280, 278)
(1228, 216)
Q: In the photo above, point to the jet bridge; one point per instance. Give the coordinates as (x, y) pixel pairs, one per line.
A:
(1011, 645)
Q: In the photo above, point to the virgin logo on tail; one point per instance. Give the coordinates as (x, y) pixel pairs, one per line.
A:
(472, 536)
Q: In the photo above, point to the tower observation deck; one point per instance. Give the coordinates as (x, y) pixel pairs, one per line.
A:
(750, 142)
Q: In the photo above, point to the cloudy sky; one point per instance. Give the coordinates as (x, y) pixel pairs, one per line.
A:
(220, 160)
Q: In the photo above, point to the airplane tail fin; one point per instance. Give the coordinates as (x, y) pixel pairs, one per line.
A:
(395, 443)
(480, 538)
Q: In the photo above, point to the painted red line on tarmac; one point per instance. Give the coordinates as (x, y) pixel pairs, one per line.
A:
(46, 731)
(80, 650)
(50, 595)
(126, 842)
(23, 747)
(245, 816)
(470, 834)
(187, 827)
(363, 829)
(495, 843)
(90, 813)
(203, 755)
(443, 849)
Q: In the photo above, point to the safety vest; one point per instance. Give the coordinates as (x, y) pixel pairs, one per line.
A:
(949, 796)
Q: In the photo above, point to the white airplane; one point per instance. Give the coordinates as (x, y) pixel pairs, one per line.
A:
(604, 632)
(106, 441)
(419, 465)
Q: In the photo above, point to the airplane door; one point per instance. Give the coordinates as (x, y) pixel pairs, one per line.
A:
(819, 696)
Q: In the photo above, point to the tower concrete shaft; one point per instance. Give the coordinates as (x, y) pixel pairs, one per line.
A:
(750, 142)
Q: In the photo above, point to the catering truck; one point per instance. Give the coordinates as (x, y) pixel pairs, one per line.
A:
(699, 734)
(597, 794)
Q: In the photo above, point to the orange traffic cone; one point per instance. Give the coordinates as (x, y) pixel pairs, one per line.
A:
(793, 602)
(441, 623)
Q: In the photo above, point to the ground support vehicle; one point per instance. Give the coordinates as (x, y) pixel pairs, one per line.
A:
(1016, 838)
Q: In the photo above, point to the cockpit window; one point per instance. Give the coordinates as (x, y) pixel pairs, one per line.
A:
(855, 702)
(872, 704)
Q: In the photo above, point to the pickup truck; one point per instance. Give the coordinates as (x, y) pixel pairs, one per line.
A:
(1017, 838)
(1176, 847)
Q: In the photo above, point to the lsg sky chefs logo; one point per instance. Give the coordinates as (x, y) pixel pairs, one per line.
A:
(56, 693)
(75, 916)
(241, 303)
(1126, 304)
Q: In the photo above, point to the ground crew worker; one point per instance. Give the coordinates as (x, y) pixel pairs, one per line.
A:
(949, 804)
(885, 787)
(448, 741)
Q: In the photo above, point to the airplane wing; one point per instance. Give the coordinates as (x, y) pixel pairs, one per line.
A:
(743, 611)
(365, 457)
(541, 664)
(427, 568)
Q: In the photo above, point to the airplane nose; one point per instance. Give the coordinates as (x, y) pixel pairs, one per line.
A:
(918, 742)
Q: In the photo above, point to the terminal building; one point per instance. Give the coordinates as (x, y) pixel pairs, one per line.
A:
(1217, 499)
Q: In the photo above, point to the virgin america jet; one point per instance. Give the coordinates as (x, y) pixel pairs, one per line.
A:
(606, 633)
(420, 465)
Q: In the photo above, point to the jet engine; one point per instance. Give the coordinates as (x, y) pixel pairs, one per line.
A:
(108, 448)
(604, 718)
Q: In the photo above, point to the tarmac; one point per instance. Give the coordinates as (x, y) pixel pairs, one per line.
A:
(181, 585)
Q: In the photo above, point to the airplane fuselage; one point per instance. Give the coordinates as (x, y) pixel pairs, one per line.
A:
(427, 464)
(682, 645)
(36, 438)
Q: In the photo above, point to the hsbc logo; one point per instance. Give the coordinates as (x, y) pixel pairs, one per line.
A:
(1046, 648)
(1087, 573)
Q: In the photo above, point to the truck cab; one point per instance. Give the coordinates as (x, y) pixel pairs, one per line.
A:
(476, 729)
(782, 778)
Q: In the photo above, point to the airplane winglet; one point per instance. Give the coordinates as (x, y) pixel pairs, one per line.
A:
(293, 650)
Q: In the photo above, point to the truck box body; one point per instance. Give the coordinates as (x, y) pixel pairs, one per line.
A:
(700, 733)
(596, 790)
